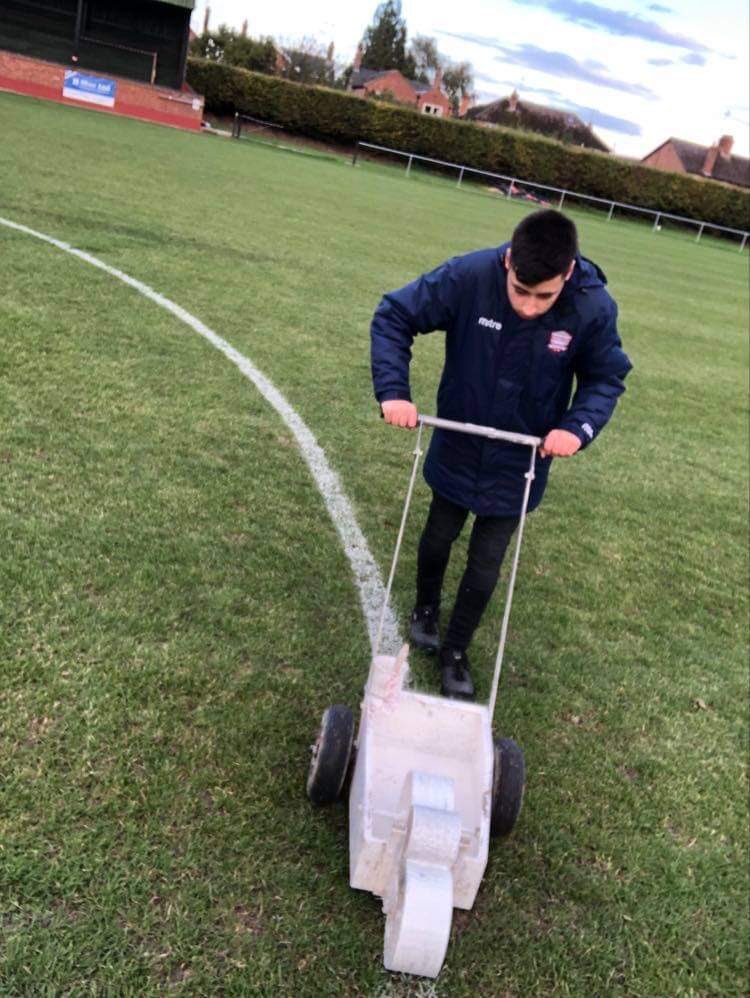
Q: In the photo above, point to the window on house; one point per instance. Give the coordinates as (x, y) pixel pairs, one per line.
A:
(432, 109)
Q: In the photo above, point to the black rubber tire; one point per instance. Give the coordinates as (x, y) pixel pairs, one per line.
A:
(508, 782)
(331, 755)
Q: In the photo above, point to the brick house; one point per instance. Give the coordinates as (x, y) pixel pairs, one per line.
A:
(512, 112)
(715, 162)
(428, 98)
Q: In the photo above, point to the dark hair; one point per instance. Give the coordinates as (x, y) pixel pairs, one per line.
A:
(544, 245)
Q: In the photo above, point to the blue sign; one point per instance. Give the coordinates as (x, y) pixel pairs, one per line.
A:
(91, 89)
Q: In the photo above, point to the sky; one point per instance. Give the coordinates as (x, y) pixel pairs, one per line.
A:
(639, 71)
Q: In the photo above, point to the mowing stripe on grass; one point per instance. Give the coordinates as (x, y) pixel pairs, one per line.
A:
(366, 573)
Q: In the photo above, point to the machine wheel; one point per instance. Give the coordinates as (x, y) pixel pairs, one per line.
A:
(418, 926)
(331, 754)
(508, 782)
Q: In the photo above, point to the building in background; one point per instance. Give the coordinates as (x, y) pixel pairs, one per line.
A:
(137, 51)
(429, 98)
(512, 112)
(714, 162)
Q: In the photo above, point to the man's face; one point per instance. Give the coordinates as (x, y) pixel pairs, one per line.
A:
(531, 301)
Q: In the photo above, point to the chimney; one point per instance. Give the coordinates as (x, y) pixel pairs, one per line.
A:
(438, 79)
(358, 58)
(725, 146)
(710, 161)
(513, 102)
(244, 28)
(466, 102)
(206, 19)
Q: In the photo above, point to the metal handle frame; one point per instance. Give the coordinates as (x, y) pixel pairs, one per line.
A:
(480, 431)
(490, 433)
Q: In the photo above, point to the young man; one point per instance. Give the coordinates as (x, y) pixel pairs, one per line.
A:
(521, 321)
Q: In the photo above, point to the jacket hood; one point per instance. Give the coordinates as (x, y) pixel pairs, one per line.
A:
(586, 273)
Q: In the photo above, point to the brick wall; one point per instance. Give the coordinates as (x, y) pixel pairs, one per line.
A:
(396, 84)
(436, 98)
(37, 78)
(665, 158)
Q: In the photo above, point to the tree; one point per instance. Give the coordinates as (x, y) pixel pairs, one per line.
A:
(458, 77)
(227, 46)
(384, 42)
(307, 61)
(426, 57)
(458, 82)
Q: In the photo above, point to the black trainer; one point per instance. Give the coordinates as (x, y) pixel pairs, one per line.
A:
(423, 627)
(454, 668)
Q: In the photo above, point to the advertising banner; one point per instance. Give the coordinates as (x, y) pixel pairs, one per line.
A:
(91, 89)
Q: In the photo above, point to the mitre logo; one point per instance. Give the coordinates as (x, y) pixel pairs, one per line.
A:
(490, 324)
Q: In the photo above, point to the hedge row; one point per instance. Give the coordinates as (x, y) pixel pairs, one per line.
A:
(332, 115)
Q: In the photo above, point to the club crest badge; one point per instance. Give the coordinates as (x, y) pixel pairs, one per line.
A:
(559, 341)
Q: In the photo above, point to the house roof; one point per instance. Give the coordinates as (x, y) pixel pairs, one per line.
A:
(187, 4)
(536, 117)
(363, 76)
(731, 170)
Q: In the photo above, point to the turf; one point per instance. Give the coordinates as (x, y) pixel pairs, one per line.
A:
(176, 610)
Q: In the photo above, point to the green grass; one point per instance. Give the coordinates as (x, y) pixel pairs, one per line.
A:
(176, 610)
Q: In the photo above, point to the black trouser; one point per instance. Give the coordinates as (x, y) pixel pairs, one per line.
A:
(489, 539)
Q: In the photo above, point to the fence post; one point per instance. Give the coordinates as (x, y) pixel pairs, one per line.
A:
(236, 125)
(744, 242)
(237, 130)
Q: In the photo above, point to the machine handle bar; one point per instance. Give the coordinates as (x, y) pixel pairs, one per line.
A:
(480, 431)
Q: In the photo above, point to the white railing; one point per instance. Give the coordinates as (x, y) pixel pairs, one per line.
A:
(562, 192)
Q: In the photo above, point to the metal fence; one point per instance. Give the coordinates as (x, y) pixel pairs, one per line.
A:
(513, 190)
(239, 122)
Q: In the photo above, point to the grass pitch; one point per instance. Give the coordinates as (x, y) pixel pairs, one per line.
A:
(177, 612)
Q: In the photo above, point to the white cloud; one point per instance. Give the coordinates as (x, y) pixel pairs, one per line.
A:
(691, 100)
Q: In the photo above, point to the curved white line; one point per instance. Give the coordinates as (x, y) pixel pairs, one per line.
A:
(366, 572)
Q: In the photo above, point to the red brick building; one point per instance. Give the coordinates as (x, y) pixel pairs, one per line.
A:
(429, 98)
(715, 162)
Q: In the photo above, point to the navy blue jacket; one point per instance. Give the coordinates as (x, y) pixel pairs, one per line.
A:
(502, 371)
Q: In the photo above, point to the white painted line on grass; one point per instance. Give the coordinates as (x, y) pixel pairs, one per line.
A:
(366, 573)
